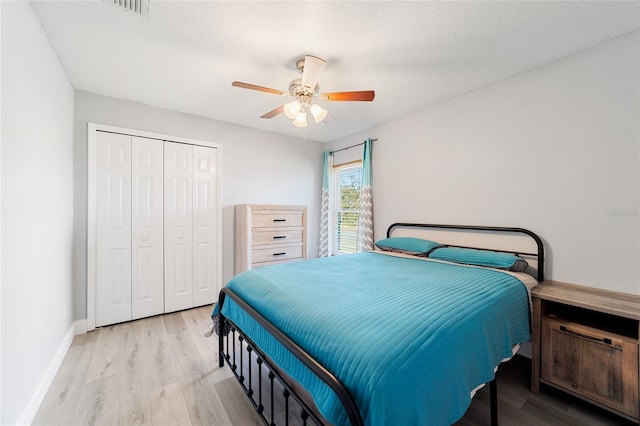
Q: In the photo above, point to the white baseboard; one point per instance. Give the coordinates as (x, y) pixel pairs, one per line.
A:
(32, 407)
(80, 327)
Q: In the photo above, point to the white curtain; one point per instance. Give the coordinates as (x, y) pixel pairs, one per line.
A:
(324, 249)
(365, 217)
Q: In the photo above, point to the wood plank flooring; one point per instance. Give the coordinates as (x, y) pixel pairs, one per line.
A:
(164, 371)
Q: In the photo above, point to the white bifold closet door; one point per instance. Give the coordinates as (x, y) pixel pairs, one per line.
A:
(205, 225)
(129, 253)
(157, 225)
(190, 225)
(147, 257)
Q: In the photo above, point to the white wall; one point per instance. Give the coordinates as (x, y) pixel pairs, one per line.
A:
(257, 167)
(37, 213)
(554, 149)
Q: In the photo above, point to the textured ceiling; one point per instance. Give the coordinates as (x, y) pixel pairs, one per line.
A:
(184, 55)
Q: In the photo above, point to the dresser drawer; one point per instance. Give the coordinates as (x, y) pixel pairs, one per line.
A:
(283, 236)
(280, 252)
(274, 218)
(593, 363)
(275, 262)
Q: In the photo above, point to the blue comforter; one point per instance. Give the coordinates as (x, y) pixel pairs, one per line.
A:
(409, 338)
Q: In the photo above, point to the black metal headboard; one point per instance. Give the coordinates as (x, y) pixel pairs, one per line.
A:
(539, 255)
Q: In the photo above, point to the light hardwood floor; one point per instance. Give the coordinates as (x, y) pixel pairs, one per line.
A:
(164, 371)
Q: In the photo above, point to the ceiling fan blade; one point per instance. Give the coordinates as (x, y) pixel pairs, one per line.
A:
(258, 88)
(273, 112)
(363, 95)
(313, 66)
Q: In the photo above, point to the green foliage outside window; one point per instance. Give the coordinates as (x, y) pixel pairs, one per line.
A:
(350, 181)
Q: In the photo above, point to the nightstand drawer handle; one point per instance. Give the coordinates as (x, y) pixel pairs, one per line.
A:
(279, 220)
(603, 340)
(279, 237)
(279, 254)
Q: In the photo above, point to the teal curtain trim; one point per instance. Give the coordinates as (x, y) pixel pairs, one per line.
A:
(327, 173)
(366, 163)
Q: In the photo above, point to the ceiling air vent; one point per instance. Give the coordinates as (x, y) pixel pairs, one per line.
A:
(137, 6)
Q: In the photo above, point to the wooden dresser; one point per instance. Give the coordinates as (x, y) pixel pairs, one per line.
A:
(269, 234)
(585, 342)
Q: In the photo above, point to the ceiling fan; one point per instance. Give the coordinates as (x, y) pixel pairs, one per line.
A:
(304, 91)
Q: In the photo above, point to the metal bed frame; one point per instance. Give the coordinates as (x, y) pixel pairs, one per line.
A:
(262, 393)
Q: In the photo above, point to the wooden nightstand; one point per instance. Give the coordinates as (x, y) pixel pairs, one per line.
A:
(585, 342)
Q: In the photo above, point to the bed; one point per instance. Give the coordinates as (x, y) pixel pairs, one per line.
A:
(400, 336)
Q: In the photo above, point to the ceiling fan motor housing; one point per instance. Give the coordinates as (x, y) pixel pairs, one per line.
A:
(301, 92)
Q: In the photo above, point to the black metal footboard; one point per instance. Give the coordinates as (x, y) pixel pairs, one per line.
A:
(232, 350)
(270, 394)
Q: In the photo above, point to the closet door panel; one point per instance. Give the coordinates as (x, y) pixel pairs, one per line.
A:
(178, 226)
(113, 228)
(147, 286)
(205, 225)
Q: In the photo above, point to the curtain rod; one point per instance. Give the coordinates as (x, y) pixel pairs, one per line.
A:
(352, 146)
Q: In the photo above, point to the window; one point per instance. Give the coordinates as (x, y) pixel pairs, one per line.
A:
(345, 203)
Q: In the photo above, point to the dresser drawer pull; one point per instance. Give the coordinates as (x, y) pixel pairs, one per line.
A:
(279, 220)
(603, 340)
(279, 254)
(279, 237)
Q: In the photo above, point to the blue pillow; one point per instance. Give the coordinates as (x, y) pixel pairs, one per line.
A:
(408, 245)
(491, 259)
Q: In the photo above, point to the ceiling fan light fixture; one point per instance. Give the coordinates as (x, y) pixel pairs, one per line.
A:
(300, 120)
(291, 109)
(318, 112)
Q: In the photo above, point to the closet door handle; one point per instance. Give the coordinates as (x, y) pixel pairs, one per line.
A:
(279, 220)
(279, 254)
(595, 339)
(279, 237)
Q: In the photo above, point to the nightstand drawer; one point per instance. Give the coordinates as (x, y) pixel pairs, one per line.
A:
(283, 236)
(281, 252)
(272, 218)
(593, 363)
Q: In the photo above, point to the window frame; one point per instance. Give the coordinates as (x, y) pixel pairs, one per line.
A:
(336, 211)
